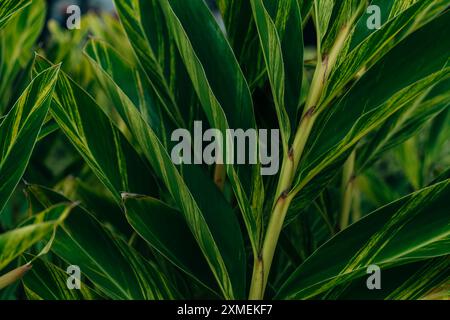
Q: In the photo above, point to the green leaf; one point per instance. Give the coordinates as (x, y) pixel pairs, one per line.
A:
(46, 281)
(377, 191)
(20, 129)
(305, 6)
(220, 86)
(16, 242)
(81, 119)
(16, 43)
(114, 267)
(438, 136)
(323, 10)
(343, 13)
(9, 8)
(411, 229)
(406, 123)
(165, 230)
(390, 10)
(407, 72)
(366, 49)
(144, 25)
(208, 67)
(243, 37)
(107, 61)
(430, 275)
(222, 91)
(206, 223)
(412, 281)
(280, 33)
(407, 156)
(103, 207)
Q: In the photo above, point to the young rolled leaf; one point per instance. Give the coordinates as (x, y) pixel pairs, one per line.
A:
(13, 276)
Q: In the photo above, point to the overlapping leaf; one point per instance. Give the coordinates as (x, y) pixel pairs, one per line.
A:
(411, 229)
(9, 8)
(103, 147)
(323, 10)
(16, 242)
(165, 229)
(405, 123)
(20, 129)
(280, 31)
(134, 84)
(406, 71)
(16, 41)
(205, 223)
(368, 46)
(113, 266)
(222, 91)
(103, 207)
(243, 37)
(146, 30)
(46, 281)
(342, 13)
(225, 102)
(413, 281)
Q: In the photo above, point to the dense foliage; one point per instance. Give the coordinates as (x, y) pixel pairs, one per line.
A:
(86, 176)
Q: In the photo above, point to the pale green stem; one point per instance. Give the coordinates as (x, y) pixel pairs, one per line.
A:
(256, 288)
(263, 263)
(347, 191)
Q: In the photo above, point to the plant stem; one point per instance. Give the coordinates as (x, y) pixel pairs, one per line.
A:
(284, 196)
(283, 200)
(273, 233)
(256, 288)
(347, 191)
